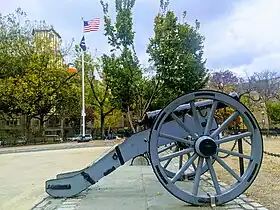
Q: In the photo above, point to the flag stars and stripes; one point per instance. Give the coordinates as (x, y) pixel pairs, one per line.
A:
(92, 25)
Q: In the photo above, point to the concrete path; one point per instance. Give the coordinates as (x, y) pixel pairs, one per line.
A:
(134, 188)
(23, 175)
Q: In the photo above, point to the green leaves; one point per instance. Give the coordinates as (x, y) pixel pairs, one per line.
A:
(33, 79)
(121, 72)
(273, 110)
(176, 51)
(121, 69)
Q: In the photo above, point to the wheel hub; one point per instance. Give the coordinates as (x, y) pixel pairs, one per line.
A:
(205, 146)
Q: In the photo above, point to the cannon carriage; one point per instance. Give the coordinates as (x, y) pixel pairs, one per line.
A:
(184, 142)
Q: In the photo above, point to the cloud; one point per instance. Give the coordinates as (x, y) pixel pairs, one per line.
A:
(204, 10)
(33, 7)
(265, 62)
(249, 34)
(240, 35)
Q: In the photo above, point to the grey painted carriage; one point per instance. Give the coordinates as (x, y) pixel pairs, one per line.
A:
(187, 135)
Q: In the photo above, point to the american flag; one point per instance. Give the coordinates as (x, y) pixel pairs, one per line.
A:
(91, 25)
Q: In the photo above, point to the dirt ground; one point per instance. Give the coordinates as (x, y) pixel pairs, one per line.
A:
(23, 175)
(266, 188)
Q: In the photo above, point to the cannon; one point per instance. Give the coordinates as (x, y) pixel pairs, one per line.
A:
(184, 142)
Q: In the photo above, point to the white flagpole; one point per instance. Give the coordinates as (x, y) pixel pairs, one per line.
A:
(83, 88)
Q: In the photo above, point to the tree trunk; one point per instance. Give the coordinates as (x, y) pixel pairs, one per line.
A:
(41, 131)
(102, 122)
(23, 125)
(130, 120)
(140, 111)
(62, 128)
(27, 127)
(268, 116)
(41, 126)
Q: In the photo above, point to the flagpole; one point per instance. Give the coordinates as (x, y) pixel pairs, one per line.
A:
(92, 28)
(83, 86)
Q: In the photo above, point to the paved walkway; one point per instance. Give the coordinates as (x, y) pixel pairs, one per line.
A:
(134, 188)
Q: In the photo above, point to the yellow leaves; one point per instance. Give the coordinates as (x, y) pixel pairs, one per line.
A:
(223, 114)
(37, 88)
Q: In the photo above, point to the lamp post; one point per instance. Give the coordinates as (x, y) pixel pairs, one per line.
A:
(263, 121)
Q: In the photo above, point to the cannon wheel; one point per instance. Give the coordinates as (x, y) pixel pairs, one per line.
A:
(179, 146)
(190, 174)
(205, 147)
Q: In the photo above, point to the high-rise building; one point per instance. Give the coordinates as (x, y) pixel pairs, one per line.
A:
(52, 38)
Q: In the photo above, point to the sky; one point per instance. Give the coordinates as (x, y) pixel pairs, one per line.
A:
(240, 35)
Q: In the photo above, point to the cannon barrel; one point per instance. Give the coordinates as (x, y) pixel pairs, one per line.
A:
(151, 115)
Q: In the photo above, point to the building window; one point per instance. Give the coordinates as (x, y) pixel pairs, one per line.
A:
(13, 122)
(51, 36)
(36, 122)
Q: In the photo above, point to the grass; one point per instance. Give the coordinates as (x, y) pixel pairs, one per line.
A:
(266, 187)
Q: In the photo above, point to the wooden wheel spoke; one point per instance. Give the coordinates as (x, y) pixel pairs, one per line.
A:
(233, 137)
(210, 118)
(234, 153)
(224, 124)
(184, 168)
(182, 125)
(213, 176)
(197, 175)
(225, 166)
(176, 154)
(175, 138)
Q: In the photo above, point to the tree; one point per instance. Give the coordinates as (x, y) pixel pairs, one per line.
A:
(14, 57)
(176, 51)
(101, 101)
(69, 109)
(274, 111)
(42, 90)
(266, 84)
(121, 68)
(14, 41)
(224, 81)
(33, 79)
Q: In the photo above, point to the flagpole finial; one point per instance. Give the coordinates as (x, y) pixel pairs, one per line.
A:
(82, 18)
